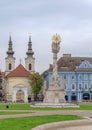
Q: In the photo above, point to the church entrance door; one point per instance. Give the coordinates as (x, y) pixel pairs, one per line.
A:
(20, 96)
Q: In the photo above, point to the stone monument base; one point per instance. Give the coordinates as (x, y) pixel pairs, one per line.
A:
(54, 96)
(55, 99)
(55, 105)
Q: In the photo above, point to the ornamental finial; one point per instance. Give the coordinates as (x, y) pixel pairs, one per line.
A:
(30, 37)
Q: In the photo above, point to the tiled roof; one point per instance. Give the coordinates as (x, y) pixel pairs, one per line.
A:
(70, 63)
(20, 71)
(3, 73)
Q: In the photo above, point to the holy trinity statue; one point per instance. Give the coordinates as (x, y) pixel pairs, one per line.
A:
(56, 39)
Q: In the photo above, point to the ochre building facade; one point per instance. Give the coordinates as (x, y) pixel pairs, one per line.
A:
(16, 84)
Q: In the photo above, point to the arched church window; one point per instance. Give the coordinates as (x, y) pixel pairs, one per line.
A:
(30, 66)
(10, 66)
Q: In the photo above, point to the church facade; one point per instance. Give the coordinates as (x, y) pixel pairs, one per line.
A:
(16, 79)
(75, 77)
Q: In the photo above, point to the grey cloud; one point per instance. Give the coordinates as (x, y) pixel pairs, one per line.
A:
(72, 19)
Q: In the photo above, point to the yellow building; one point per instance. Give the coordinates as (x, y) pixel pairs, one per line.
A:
(17, 88)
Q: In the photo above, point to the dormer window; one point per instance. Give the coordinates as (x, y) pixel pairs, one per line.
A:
(85, 64)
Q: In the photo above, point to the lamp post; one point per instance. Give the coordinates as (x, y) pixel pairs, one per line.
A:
(0, 81)
(90, 93)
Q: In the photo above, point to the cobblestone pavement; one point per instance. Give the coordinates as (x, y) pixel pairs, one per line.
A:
(89, 127)
(87, 114)
(82, 113)
(85, 124)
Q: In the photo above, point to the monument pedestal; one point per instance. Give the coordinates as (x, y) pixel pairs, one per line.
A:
(56, 99)
(54, 96)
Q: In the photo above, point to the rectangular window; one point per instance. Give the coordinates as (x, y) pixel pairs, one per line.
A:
(85, 86)
(90, 76)
(91, 86)
(73, 86)
(64, 76)
(85, 77)
(80, 86)
(79, 77)
(72, 77)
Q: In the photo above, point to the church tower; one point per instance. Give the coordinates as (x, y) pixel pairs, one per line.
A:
(9, 60)
(30, 60)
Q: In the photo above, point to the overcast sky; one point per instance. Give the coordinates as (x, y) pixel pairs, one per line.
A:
(72, 19)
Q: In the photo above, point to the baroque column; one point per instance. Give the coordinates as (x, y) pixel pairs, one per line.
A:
(55, 80)
(54, 94)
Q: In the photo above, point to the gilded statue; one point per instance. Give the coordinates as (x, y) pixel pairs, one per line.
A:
(56, 39)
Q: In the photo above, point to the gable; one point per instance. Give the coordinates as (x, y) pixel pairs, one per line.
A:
(85, 65)
(20, 71)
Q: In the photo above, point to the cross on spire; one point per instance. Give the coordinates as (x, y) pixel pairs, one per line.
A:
(20, 60)
(30, 37)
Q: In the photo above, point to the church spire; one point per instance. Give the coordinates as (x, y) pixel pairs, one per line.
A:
(10, 51)
(9, 60)
(30, 52)
(30, 60)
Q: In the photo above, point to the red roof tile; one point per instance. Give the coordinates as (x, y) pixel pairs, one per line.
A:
(3, 73)
(20, 71)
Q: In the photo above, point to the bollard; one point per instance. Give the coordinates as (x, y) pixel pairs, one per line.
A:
(7, 106)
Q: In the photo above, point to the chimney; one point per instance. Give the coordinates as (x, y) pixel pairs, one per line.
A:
(66, 55)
